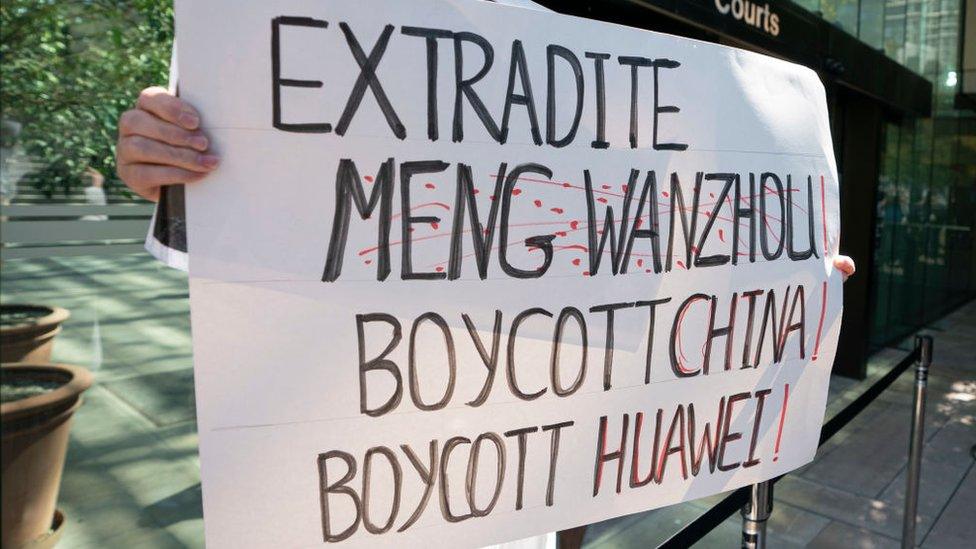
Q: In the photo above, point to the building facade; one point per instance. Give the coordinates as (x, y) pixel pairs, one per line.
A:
(904, 136)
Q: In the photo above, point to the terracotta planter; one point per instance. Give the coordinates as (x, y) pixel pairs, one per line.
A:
(27, 332)
(35, 417)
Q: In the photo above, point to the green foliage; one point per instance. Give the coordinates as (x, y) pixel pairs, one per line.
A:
(69, 68)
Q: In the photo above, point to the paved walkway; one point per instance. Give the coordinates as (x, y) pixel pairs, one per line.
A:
(132, 478)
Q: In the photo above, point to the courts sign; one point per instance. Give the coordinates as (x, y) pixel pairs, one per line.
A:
(750, 13)
(470, 273)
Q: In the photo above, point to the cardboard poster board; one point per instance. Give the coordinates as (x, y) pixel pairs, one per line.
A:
(469, 273)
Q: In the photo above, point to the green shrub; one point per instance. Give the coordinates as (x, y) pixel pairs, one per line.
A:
(68, 69)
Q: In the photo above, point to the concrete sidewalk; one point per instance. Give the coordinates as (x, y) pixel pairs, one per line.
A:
(132, 478)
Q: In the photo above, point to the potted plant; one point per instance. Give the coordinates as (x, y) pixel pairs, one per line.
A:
(27, 332)
(37, 402)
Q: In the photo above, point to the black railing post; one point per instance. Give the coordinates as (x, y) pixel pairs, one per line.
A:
(698, 528)
(755, 513)
(923, 346)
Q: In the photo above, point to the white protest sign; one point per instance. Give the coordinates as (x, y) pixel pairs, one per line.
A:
(469, 273)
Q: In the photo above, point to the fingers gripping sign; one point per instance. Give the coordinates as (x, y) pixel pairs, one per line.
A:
(160, 143)
(845, 265)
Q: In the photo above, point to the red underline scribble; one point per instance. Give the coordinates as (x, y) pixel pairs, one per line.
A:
(664, 207)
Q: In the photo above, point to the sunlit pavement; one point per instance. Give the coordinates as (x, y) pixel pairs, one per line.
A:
(132, 478)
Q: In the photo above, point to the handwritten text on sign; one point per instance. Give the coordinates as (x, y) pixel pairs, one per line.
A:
(471, 273)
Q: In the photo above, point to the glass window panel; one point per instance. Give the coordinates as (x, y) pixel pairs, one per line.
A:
(940, 235)
(946, 78)
(894, 29)
(914, 19)
(933, 19)
(843, 13)
(903, 243)
(871, 23)
(960, 276)
(812, 5)
(919, 217)
(888, 216)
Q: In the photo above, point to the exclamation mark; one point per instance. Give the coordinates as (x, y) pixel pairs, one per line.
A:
(823, 313)
(782, 420)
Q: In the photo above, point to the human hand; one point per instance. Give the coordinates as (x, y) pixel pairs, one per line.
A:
(160, 143)
(845, 265)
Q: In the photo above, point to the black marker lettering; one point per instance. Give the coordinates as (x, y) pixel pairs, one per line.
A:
(349, 187)
(677, 426)
(617, 245)
(471, 480)
(557, 336)
(709, 441)
(791, 326)
(601, 109)
(764, 227)
(367, 77)
(608, 350)
(379, 363)
(658, 108)
(725, 331)
(428, 475)
(397, 481)
(751, 296)
(543, 242)
(338, 487)
(648, 197)
(726, 436)
(634, 63)
(553, 457)
(407, 171)
(635, 480)
(677, 210)
(520, 484)
(552, 51)
(678, 366)
(465, 87)
(438, 321)
(525, 98)
(512, 336)
(277, 81)
(430, 36)
(651, 309)
(481, 235)
(717, 259)
(446, 512)
(602, 456)
(791, 251)
(769, 313)
(738, 213)
(761, 396)
(490, 359)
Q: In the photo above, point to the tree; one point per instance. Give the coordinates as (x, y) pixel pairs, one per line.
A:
(69, 68)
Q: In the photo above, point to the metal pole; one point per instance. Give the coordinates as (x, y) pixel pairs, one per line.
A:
(755, 513)
(924, 346)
